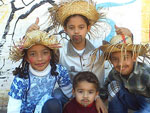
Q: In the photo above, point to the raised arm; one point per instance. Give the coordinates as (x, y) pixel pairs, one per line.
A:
(34, 26)
(123, 31)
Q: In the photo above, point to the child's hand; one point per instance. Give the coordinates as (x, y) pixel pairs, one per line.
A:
(123, 31)
(53, 46)
(34, 26)
(101, 108)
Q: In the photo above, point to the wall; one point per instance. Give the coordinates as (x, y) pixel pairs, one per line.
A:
(17, 15)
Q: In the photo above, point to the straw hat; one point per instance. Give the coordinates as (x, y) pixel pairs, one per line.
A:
(71, 7)
(121, 43)
(30, 39)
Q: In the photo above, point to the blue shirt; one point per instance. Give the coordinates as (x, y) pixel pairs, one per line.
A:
(36, 90)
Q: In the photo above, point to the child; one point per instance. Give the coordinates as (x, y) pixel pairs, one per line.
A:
(77, 17)
(128, 82)
(32, 88)
(85, 90)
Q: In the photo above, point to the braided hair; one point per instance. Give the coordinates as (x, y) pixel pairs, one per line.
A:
(23, 69)
(53, 62)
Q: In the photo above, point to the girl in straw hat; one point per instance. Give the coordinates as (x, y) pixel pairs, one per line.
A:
(77, 17)
(35, 78)
(128, 82)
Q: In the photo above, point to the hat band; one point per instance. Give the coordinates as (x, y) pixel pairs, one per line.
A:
(123, 38)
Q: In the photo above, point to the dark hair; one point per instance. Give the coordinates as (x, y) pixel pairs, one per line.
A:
(86, 76)
(23, 69)
(84, 18)
(53, 62)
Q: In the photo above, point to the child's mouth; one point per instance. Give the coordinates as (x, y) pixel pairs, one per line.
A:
(40, 65)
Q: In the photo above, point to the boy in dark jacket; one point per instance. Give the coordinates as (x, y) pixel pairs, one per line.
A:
(128, 82)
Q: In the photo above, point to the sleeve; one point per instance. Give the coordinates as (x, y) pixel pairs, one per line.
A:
(148, 83)
(64, 81)
(104, 90)
(146, 77)
(18, 88)
(14, 105)
(108, 79)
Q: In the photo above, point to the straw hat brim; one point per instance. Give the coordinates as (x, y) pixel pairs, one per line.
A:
(77, 7)
(35, 37)
(138, 49)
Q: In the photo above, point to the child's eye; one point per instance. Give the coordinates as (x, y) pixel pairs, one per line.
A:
(32, 54)
(114, 59)
(45, 52)
(81, 27)
(71, 28)
(91, 92)
(80, 91)
(125, 58)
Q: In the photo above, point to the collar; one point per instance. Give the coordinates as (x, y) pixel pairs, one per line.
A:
(40, 73)
(71, 52)
(90, 105)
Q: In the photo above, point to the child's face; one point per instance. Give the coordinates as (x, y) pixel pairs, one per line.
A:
(77, 29)
(124, 63)
(85, 93)
(38, 56)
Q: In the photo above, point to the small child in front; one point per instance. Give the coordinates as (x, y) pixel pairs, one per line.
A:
(85, 91)
(33, 85)
(128, 82)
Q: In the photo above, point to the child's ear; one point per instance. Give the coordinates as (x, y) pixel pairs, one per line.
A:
(134, 57)
(97, 93)
(65, 29)
(73, 92)
(89, 28)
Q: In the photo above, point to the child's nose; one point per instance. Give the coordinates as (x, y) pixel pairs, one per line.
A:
(85, 94)
(120, 61)
(76, 30)
(39, 57)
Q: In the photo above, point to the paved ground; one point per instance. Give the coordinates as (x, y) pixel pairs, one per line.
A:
(3, 103)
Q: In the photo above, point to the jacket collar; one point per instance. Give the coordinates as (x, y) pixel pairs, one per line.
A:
(71, 52)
